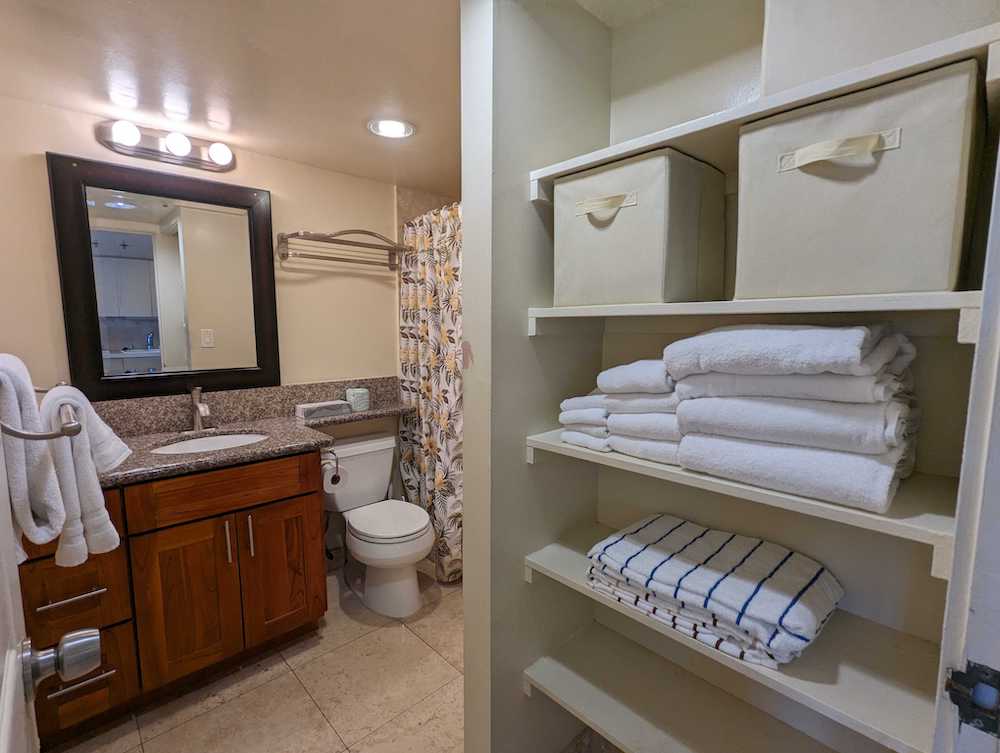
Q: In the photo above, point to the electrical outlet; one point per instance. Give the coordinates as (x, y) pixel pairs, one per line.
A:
(208, 338)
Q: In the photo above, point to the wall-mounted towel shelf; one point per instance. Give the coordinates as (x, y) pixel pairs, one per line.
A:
(339, 238)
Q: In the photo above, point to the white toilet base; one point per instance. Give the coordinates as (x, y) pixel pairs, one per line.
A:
(392, 591)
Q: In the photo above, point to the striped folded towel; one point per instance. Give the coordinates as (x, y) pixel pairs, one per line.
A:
(760, 601)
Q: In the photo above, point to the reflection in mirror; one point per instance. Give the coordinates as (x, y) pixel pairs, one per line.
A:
(173, 282)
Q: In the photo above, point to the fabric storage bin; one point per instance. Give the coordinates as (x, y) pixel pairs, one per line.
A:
(865, 193)
(649, 229)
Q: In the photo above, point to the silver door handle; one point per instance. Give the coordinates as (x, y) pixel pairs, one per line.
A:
(229, 545)
(78, 654)
(84, 684)
(72, 600)
(250, 531)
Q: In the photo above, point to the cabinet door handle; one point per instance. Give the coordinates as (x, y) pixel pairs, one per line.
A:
(229, 545)
(83, 684)
(71, 600)
(250, 531)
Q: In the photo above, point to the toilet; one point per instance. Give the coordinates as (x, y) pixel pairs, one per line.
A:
(390, 536)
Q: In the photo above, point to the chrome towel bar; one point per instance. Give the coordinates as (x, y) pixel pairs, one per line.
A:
(339, 239)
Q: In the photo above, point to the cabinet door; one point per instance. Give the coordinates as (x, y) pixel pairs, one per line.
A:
(106, 283)
(134, 287)
(282, 567)
(187, 598)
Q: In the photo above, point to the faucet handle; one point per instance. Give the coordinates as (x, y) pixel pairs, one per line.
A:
(203, 410)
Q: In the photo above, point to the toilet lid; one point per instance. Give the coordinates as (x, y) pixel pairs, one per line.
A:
(387, 520)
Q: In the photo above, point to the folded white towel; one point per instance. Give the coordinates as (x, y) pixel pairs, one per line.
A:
(639, 402)
(585, 440)
(586, 416)
(593, 400)
(36, 503)
(790, 349)
(648, 375)
(839, 388)
(867, 482)
(661, 426)
(646, 449)
(88, 528)
(870, 428)
(600, 432)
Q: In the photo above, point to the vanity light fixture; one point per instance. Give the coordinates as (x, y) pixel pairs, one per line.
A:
(391, 129)
(173, 147)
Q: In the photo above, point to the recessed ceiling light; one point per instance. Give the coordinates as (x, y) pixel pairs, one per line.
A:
(220, 154)
(119, 203)
(125, 132)
(391, 129)
(177, 144)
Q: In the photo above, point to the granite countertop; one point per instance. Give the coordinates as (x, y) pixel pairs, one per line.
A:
(286, 436)
(382, 411)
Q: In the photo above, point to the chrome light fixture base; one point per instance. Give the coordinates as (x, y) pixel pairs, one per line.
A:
(152, 145)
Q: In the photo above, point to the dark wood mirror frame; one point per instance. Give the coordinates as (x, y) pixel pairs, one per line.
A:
(69, 178)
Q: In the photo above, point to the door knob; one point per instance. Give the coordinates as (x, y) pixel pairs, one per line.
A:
(77, 654)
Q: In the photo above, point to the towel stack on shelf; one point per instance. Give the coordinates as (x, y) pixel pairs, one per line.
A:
(585, 421)
(642, 406)
(752, 599)
(821, 412)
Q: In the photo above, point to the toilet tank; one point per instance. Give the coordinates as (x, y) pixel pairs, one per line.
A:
(365, 470)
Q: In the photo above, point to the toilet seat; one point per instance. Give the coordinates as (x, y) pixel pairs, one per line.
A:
(391, 521)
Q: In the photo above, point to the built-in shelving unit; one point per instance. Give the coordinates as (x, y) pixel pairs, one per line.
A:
(923, 509)
(643, 703)
(874, 680)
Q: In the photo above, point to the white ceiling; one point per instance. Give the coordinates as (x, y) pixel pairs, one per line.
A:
(297, 79)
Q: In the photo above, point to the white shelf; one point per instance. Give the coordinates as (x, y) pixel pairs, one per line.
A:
(645, 704)
(714, 138)
(873, 680)
(923, 510)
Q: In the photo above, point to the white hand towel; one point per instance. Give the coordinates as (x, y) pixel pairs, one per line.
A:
(646, 449)
(867, 482)
(876, 388)
(88, 528)
(587, 416)
(601, 432)
(661, 426)
(638, 402)
(36, 503)
(585, 440)
(648, 375)
(790, 349)
(870, 428)
(593, 400)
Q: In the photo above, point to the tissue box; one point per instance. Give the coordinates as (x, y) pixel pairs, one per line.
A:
(324, 409)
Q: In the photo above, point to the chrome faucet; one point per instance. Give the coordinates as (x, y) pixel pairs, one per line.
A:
(200, 409)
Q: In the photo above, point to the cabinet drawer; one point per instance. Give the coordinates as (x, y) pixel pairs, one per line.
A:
(112, 500)
(158, 504)
(60, 705)
(59, 599)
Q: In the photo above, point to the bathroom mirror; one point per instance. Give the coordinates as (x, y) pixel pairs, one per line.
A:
(167, 281)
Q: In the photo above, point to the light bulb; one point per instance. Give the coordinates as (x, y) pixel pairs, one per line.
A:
(125, 132)
(391, 129)
(220, 154)
(177, 144)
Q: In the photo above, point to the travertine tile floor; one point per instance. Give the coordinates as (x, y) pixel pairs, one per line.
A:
(363, 683)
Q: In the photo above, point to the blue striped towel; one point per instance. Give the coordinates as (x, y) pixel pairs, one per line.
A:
(767, 600)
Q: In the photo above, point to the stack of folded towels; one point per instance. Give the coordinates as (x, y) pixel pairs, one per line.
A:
(821, 412)
(752, 599)
(585, 421)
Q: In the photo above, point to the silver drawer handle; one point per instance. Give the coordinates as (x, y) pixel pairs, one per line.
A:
(229, 545)
(73, 688)
(253, 553)
(72, 600)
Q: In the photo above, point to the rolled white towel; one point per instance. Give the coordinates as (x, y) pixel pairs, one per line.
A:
(662, 426)
(790, 349)
(840, 388)
(586, 416)
(649, 375)
(593, 400)
(867, 482)
(870, 428)
(643, 402)
(647, 449)
(585, 440)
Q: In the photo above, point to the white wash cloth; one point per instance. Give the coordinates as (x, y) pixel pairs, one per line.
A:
(777, 597)
(840, 388)
(593, 400)
(867, 482)
(663, 426)
(36, 503)
(649, 375)
(585, 440)
(588, 416)
(639, 402)
(790, 349)
(870, 428)
(646, 449)
(88, 528)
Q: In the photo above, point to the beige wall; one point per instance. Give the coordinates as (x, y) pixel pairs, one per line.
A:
(331, 326)
(412, 202)
(171, 308)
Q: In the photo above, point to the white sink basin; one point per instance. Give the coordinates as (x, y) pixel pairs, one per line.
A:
(209, 444)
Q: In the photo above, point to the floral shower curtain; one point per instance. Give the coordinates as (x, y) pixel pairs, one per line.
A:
(430, 353)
